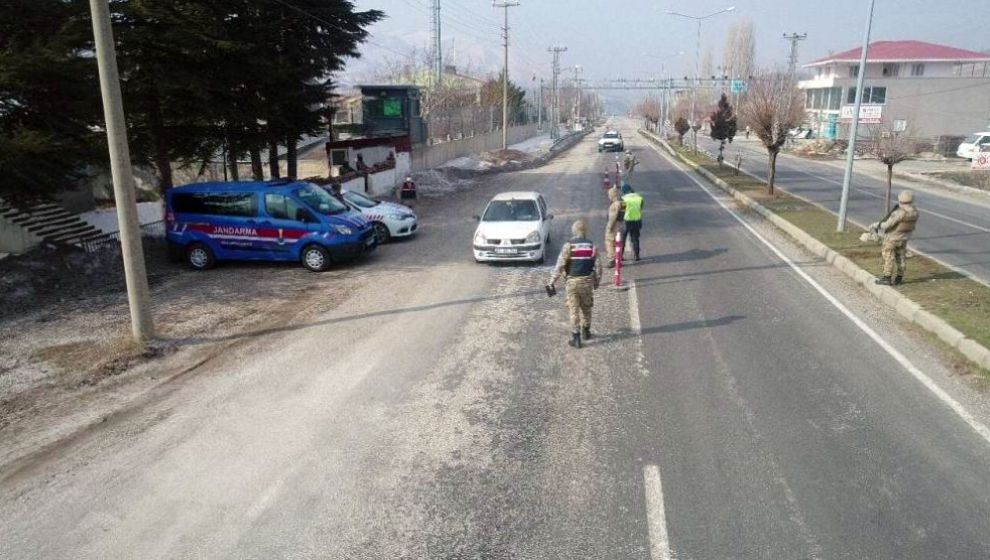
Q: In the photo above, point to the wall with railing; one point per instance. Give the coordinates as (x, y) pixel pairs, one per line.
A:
(428, 157)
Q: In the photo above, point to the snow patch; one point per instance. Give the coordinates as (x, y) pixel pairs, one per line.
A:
(105, 219)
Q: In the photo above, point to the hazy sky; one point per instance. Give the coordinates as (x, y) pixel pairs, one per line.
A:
(608, 37)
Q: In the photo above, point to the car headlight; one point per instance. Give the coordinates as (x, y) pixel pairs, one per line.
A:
(395, 216)
(479, 238)
(533, 237)
(344, 230)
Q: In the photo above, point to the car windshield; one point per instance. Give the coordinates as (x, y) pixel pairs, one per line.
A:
(611, 135)
(512, 211)
(360, 200)
(320, 200)
(972, 139)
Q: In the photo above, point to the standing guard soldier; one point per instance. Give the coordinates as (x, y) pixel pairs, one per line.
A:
(579, 264)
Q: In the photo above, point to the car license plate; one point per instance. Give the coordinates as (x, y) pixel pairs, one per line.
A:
(501, 251)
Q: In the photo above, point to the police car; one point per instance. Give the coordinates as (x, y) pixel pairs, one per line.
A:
(388, 218)
(263, 220)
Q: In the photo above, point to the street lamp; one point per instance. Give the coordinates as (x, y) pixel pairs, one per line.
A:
(664, 91)
(697, 57)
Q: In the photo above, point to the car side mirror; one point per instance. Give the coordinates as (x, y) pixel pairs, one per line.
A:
(477, 218)
(549, 216)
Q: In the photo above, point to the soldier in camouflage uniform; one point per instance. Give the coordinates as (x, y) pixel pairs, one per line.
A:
(615, 212)
(579, 264)
(629, 163)
(896, 229)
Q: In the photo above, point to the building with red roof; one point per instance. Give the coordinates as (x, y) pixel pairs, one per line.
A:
(930, 90)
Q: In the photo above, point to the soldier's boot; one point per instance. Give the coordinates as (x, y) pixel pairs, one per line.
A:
(883, 281)
(575, 340)
(898, 280)
(586, 333)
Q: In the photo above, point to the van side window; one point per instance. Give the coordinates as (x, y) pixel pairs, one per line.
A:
(282, 207)
(216, 204)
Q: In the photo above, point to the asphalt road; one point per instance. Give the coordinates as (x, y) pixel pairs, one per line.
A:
(726, 409)
(954, 228)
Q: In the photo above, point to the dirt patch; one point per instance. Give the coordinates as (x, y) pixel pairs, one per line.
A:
(973, 179)
(499, 158)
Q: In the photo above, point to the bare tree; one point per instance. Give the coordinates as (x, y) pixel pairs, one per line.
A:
(891, 146)
(649, 109)
(740, 50)
(772, 108)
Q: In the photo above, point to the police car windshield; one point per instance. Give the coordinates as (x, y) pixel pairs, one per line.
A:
(512, 211)
(611, 135)
(321, 201)
(358, 199)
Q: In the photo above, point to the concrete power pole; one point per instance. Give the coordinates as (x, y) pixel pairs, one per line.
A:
(505, 69)
(577, 88)
(555, 93)
(854, 125)
(792, 60)
(437, 49)
(539, 108)
(135, 276)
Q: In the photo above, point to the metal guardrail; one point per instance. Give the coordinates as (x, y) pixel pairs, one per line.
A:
(101, 242)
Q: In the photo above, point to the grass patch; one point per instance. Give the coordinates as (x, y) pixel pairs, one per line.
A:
(960, 301)
(975, 179)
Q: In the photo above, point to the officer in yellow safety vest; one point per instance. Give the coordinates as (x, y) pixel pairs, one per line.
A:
(633, 202)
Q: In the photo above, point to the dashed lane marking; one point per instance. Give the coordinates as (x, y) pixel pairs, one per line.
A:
(656, 517)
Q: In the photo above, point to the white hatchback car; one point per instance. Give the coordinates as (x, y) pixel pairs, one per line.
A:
(514, 227)
(388, 218)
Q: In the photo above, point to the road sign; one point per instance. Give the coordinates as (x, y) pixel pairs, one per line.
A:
(738, 86)
(981, 162)
(868, 114)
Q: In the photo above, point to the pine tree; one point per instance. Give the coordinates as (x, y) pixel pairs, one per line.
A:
(723, 125)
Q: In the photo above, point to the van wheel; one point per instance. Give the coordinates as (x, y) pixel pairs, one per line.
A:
(382, 235)
(315, 258)
(199, 256)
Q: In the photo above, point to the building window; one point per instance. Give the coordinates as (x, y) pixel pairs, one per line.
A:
(891, 70)
(835, 98)
(917, 69)
(871, 95)
(854, 71)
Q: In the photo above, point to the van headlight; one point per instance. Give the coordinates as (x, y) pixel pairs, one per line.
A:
(344, 230)
(533, 237)
(479, 238)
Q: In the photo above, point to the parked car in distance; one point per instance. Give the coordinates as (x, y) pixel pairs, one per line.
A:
(388, 218)
(976, 143)
(611, 141)
(263, 221)
(515, 226)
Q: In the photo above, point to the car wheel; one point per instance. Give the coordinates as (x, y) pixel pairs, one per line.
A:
(315, 258)
(199, 257)
(382, 235)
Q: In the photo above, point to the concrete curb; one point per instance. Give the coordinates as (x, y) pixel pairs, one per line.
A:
(904, 306)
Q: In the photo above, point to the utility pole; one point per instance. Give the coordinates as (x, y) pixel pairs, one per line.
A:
(555, 95)
(437, 49)
(792, 60)
(854, 125)
(505, 72)
(135, 275)
(539, 108)
(577, 89)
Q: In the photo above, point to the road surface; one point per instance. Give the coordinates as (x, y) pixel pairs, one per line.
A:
(954, 229)
(726, 409)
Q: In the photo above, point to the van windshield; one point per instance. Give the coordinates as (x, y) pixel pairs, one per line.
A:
(320, 201)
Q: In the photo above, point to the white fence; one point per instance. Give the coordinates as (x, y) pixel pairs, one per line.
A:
(428, 157)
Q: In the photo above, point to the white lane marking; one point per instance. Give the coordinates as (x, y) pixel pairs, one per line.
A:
(656, 517)
(637, 327)
(947, 399)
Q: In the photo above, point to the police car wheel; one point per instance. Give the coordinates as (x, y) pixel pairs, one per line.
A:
(382, 235)
(315, 258)
(199, 257)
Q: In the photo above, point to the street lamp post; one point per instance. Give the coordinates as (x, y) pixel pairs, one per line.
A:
(854, 125)
(697, 61)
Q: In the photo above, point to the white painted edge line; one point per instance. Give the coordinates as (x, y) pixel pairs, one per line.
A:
(637, 327)
(946, 399)
(656, 517)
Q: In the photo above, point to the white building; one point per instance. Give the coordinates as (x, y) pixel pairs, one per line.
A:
(930, 90)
